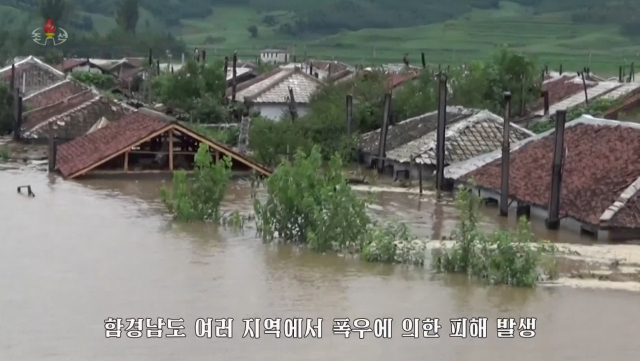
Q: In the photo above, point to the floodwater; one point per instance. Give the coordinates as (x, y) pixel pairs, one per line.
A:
(79, 253)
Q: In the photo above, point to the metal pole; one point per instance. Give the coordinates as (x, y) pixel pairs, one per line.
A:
(545, 95)
(233, 79)
(349, 114)
(442, 123)
(504, 189)
(383, 131)
(553, 222)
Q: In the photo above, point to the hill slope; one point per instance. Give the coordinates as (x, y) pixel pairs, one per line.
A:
(596, 33)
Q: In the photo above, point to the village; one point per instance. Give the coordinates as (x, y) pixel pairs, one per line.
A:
(563, 148)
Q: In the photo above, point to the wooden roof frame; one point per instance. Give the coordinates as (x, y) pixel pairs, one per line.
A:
(171, 126)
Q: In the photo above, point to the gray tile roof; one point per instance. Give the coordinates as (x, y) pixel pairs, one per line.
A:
(275, 88)
(478, 134)
(411, 129)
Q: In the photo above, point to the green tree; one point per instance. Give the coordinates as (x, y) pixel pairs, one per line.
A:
(58, 10)
(127, 15)
(195, 88)
(199, 199)
(6, 110)
(253, 30)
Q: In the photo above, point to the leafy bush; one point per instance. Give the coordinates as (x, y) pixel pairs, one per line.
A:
(312, 205)
(512, 258)
(199, 199)
(99, 80)
(4, 155)
(6, 110)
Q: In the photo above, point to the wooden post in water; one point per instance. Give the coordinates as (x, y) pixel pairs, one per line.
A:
(419, 165)
(382, 144)
(584, 85)
(52, 149)
(233, 78)
(349, 114)
(504, 189)
(442, 124)
(553, 222)
(126, 161)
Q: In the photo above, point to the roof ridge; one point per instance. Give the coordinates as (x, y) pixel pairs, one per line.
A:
(620, 203)
(287, 73)
(70, 111)
(458, 170)
(47, 88)
(88, 90)
(249, 83)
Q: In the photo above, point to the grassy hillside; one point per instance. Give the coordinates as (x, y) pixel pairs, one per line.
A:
(577, 33)
(552, 37)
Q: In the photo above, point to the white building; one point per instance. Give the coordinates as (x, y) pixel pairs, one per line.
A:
(274, 56)
(269, 93)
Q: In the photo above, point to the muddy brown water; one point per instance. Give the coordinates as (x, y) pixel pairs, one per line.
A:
(79, 253)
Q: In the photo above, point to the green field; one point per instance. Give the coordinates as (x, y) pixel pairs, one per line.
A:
(553, 38)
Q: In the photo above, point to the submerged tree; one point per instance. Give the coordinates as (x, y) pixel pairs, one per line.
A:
(127, 15)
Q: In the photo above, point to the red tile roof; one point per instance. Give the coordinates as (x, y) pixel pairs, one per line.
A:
(559, 90)
(89, 149)
(84, 152)
(601, 162)
(70, 64)
(394, 80)
(35, 117)
(54, 94)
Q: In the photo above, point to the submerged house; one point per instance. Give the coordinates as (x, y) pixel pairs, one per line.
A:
(269, 93)
(411, 144)
(31, 74)
(66, 110)
(600, 176)
(144, 141)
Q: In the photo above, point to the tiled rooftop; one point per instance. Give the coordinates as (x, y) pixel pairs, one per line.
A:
(411, 129)
(33, 73)
(74, 117)
(53, 94)
(478, 134)
(274, 88)
(600, 164)
(35, 117)
(89, 149)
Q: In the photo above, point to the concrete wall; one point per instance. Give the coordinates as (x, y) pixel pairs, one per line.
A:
(428, 171)
(274, 58)
(275, 111)
(86, 68)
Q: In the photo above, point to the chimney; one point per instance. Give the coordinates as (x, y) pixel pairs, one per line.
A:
(424, 61)
(226, 71)
(560, 68)
(504, 189)
(553, 222)
(150, 57)
(620, 74)
(382, 143)
(12, 82)
(584, 85)
(311, 69)
(233, 79)
(545, 95)
(442, 123)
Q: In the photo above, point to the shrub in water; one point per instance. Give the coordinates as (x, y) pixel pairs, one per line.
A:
(513, 258)
(199, 198)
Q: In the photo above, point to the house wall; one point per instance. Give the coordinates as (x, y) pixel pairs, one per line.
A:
(274, 58)
(85, 68)
(275, 111)
(540, 213)
(414, 174)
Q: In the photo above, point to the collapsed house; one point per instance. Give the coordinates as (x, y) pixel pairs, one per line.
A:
(411, 144)
(599, 183)
(144, 141)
